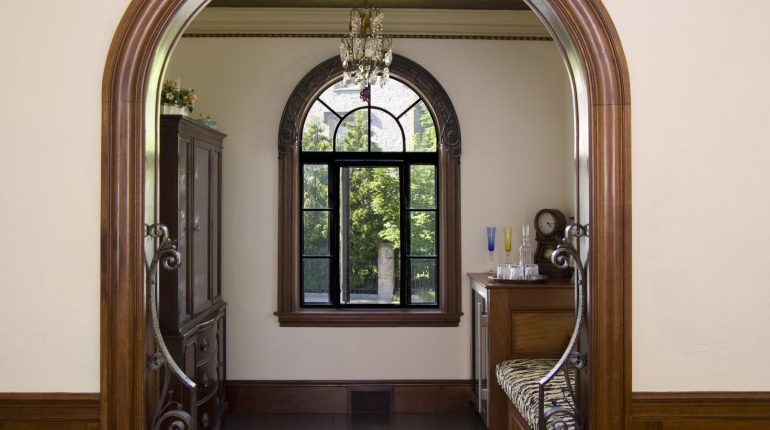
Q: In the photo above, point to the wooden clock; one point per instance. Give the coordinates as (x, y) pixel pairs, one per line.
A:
(549, 230)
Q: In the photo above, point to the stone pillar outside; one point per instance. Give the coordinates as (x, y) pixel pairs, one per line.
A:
(386, 279)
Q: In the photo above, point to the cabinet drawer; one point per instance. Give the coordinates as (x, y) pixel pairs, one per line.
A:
(207, 378)
(206, 345)
(208, 414)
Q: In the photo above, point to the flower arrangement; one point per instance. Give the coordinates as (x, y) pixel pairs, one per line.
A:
(173, 94)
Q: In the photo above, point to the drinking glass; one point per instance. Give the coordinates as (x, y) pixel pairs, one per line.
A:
(491, 231)
(507, 234)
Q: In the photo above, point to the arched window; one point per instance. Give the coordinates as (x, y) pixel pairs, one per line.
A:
(369, 192)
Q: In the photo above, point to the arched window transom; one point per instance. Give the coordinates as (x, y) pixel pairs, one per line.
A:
(373, 212)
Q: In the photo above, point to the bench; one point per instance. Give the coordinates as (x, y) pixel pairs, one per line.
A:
(541, 392)
(520, 378)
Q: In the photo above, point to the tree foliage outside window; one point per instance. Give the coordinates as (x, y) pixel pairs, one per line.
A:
(359, 199)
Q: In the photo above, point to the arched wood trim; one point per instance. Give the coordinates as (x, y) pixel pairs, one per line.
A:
(449, 311)
(139, 50)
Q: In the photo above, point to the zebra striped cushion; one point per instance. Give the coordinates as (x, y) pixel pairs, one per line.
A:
(519, 379)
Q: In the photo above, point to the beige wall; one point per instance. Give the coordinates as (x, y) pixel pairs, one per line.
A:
(52, 55)
(699, 80)
(511, 115)
(699, 83)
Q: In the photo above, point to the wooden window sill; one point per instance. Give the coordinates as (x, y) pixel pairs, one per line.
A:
(368, 318)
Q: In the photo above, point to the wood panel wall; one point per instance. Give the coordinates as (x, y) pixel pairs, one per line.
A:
(429, 396)
(44, 411)
(649, 411)
(700, 411)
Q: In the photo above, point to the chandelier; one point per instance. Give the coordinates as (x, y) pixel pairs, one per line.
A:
(365, 52)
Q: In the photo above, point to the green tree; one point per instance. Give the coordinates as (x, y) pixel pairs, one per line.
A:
(315, 196)
(369, 203)
(314, 136)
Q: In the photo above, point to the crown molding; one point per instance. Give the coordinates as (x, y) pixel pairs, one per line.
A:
(399, 22)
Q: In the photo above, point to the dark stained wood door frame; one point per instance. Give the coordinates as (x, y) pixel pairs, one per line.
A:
(138, 55)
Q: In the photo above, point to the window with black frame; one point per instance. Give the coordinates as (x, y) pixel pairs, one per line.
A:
(369, 199)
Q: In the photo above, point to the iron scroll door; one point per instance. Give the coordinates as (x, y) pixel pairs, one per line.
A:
(175, 386)
(574, 359)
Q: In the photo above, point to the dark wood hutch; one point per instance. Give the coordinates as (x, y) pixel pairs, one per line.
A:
(191, 309)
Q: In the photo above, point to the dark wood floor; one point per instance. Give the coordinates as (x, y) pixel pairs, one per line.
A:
(467, 421)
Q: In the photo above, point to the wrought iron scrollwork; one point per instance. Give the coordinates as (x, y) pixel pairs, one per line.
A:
(556, 417)
(170, 413)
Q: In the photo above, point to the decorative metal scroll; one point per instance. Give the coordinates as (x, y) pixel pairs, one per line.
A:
(555, 416)
(170, 413)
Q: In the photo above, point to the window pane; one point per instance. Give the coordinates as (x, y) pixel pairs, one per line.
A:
(318, 129)
(353, 134)
(315, 233)
(386, 134)
(316, 186)
(369, 234)
(422, 281)
(419, 128)
(422, 238)
(315, 280)
(422, 187)
(343, 99)
(394, 96)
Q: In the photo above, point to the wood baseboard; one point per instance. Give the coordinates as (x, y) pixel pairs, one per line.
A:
(428, 396)
(700, 411)
(43, 411)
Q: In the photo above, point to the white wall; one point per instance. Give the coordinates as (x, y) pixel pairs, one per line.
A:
(699, 83)
(511, 114)
(699, 80)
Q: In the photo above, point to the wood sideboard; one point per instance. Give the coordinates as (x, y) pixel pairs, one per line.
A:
(514, 321)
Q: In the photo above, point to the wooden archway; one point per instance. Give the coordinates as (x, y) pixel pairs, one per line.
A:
(139, 51)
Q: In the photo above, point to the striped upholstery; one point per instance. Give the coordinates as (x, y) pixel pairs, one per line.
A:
(519, 379)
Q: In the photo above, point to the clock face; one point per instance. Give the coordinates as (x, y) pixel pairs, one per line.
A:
(546, 223)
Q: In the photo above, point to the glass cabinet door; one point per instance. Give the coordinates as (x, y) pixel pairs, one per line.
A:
(200, 229)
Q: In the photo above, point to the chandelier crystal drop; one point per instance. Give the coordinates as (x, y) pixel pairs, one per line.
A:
(365, 52)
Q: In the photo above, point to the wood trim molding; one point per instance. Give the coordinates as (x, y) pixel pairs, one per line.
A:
(347, 4)
(700, 410)
(409, 396)
(29, 408)
(337, 36)
(435, 98)
(140, 48)
(400, 22)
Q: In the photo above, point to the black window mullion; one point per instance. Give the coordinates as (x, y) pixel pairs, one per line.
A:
(369, 121)
(334, 162)
(438, 229)
(405, 286)
(427, 158)
(334, 233)
(330, 109)
(409, 108)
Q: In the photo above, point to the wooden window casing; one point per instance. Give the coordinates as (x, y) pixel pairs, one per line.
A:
(449, 309)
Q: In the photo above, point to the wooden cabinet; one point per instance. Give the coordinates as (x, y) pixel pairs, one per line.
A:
(191, 309)
(514, 321)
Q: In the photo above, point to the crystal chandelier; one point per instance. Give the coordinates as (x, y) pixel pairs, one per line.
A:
(365, 52)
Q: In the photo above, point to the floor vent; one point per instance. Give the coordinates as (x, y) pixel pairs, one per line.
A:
(371, 400)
